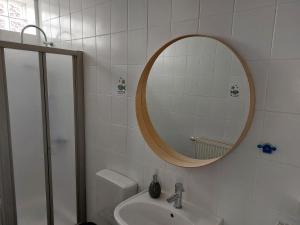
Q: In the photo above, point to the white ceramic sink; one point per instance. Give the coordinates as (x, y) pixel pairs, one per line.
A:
(143, 210)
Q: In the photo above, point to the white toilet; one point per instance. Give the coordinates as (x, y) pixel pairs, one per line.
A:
(111, 189)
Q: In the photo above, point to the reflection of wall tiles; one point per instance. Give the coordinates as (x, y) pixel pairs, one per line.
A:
(176, 78)
(226, 186)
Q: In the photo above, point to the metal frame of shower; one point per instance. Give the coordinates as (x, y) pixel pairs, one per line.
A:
(7, 188)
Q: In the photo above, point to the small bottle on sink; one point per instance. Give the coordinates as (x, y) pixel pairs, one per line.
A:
(154, 188)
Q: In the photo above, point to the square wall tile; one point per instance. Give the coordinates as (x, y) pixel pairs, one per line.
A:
(184, 27)
(159, 12)
(54, 8)
(132, 121)
(65, 28)
(259, 71)
(46, 26)
(135, 145)
(157, 36)
(89, 22)
(246, 4)
(44, 10)
(118, 73)
(91, 115)
(185, 10)
(103, 18)
(104, 110)
(133, 76)
(137, 14)
(253, 32)
(216, 7)
(287, 31)
(66, 44)
(90, 51)
(219, 25)
(258, 214)
(104, 79)
(283, 87)
(234, 187)
(88, 3)
(75, 5)
(201, 187)
(119, 134)
(282, 130)
(105, 135)
(90, 79)
(76, 25)
(119, 110)
(55, 29)
(103, 50)
(137, 46)
(119, 48)
(277, 187)
(64, 6)
(118, 15)
(77, 45)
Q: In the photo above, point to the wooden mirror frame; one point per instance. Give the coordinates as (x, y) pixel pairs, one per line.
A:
(155, 142)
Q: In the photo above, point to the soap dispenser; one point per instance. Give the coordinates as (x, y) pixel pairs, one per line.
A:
(154, 188)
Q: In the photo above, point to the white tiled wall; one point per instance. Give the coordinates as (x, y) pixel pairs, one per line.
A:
(247, 187)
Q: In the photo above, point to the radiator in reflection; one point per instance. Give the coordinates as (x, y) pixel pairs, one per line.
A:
(208, 149)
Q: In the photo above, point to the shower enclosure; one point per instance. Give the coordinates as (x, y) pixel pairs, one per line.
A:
(42, 159)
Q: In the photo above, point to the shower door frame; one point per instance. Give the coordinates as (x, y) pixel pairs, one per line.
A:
(7, 187)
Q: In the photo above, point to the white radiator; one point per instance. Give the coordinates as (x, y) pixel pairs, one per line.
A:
(208, 149)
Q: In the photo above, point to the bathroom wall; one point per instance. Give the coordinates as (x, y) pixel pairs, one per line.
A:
(247, 187)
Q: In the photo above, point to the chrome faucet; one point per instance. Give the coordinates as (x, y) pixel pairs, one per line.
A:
(177, 197)
(46, 42)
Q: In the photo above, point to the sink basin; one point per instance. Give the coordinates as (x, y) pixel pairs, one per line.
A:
(141, 209)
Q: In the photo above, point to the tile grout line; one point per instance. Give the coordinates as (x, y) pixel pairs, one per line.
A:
(198, 17)
(274, 28)
(233, 17)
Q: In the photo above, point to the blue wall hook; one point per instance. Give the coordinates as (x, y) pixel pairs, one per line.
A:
(267, 148)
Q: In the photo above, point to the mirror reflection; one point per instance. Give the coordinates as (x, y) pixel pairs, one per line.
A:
(198, 97)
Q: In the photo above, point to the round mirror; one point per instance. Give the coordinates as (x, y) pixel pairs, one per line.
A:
(195, 100)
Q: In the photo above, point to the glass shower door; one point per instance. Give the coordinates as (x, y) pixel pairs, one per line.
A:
(26, 123)
(62, 136)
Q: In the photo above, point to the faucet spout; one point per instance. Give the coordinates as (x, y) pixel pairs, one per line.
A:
(38, 28)
(172, 198)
